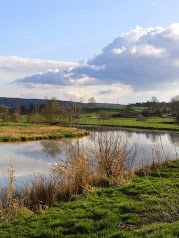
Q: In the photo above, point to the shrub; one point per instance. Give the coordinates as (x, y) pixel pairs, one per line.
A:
(146, 112)
(34, 118)
(140, 117)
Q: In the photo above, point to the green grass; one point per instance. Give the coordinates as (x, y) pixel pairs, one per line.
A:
(152, 123)
(26, 132)
(133, 210)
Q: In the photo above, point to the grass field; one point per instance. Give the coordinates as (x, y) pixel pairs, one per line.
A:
(152, 123)
(134, 210)
(26, 131)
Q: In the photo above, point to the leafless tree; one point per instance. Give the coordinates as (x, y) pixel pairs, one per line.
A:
(74, 111)
(92, 101)
(53, 112)
(34, 116)
(104, 115)
(174, 106)
(16, 114)
(4, 112)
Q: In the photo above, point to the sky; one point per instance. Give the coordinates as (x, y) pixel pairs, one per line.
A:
(116, 51)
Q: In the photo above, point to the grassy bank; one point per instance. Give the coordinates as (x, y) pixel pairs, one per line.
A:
(26, 132)
(152, 123)
(134, 210)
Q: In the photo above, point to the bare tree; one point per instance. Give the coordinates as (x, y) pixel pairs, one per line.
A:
(4, 112)
(70, 112)
(174, 106)
(15, 115)
(77, 110)
(155, 105)
(128, 110)
(104, 115)
(92, 101)
(34, 116)
(53, 111)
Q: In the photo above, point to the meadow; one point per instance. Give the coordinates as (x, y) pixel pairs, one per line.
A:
(147, 206)
(92, 117)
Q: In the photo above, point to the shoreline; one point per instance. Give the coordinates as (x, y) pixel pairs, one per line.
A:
(94, 126)
(20, 133)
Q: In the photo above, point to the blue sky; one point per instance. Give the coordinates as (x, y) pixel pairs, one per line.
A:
(56, 31)
(73, 30)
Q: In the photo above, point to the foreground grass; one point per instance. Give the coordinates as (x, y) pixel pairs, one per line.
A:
(133, 210)
(26, 132)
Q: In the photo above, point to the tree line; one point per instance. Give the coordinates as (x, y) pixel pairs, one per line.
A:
(55, 112)
(52, 112)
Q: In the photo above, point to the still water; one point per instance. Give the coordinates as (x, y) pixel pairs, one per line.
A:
(29, 158)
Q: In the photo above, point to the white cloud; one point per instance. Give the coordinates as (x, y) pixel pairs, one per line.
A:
(119, 50)
(147, 50)
(173, 31)
(143, 59)
(12, 67)
(106, 93)
(83, 80)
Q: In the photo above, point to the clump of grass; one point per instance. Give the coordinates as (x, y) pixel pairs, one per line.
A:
(41, 193)
(112, 156)
(11, 204)
(75, 175)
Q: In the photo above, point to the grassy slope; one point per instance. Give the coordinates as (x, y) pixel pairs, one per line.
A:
(151, 123)
(26, 131)
(131, 211)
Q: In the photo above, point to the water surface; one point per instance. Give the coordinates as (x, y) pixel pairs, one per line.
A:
(37, 157)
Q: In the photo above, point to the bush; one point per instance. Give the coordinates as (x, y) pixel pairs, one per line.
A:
(34, 118)
(140, 117)
(146, 112)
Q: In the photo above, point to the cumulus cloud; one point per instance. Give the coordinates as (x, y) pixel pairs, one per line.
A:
(12, 67)
(119, 51)
(143, 58)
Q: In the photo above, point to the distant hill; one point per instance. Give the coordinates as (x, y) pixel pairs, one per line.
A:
(11, 102)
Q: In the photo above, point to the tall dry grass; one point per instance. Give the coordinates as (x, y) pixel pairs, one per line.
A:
(75, 174)
(107, 160)
(112, 155)
(11, 202)
(41, 192)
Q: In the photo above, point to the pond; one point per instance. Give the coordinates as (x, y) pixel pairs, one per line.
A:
(29, 158)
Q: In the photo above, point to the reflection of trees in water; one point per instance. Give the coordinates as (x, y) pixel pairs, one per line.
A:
(153, 136)
(128, 134)
(174, 139)
(55, 147)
